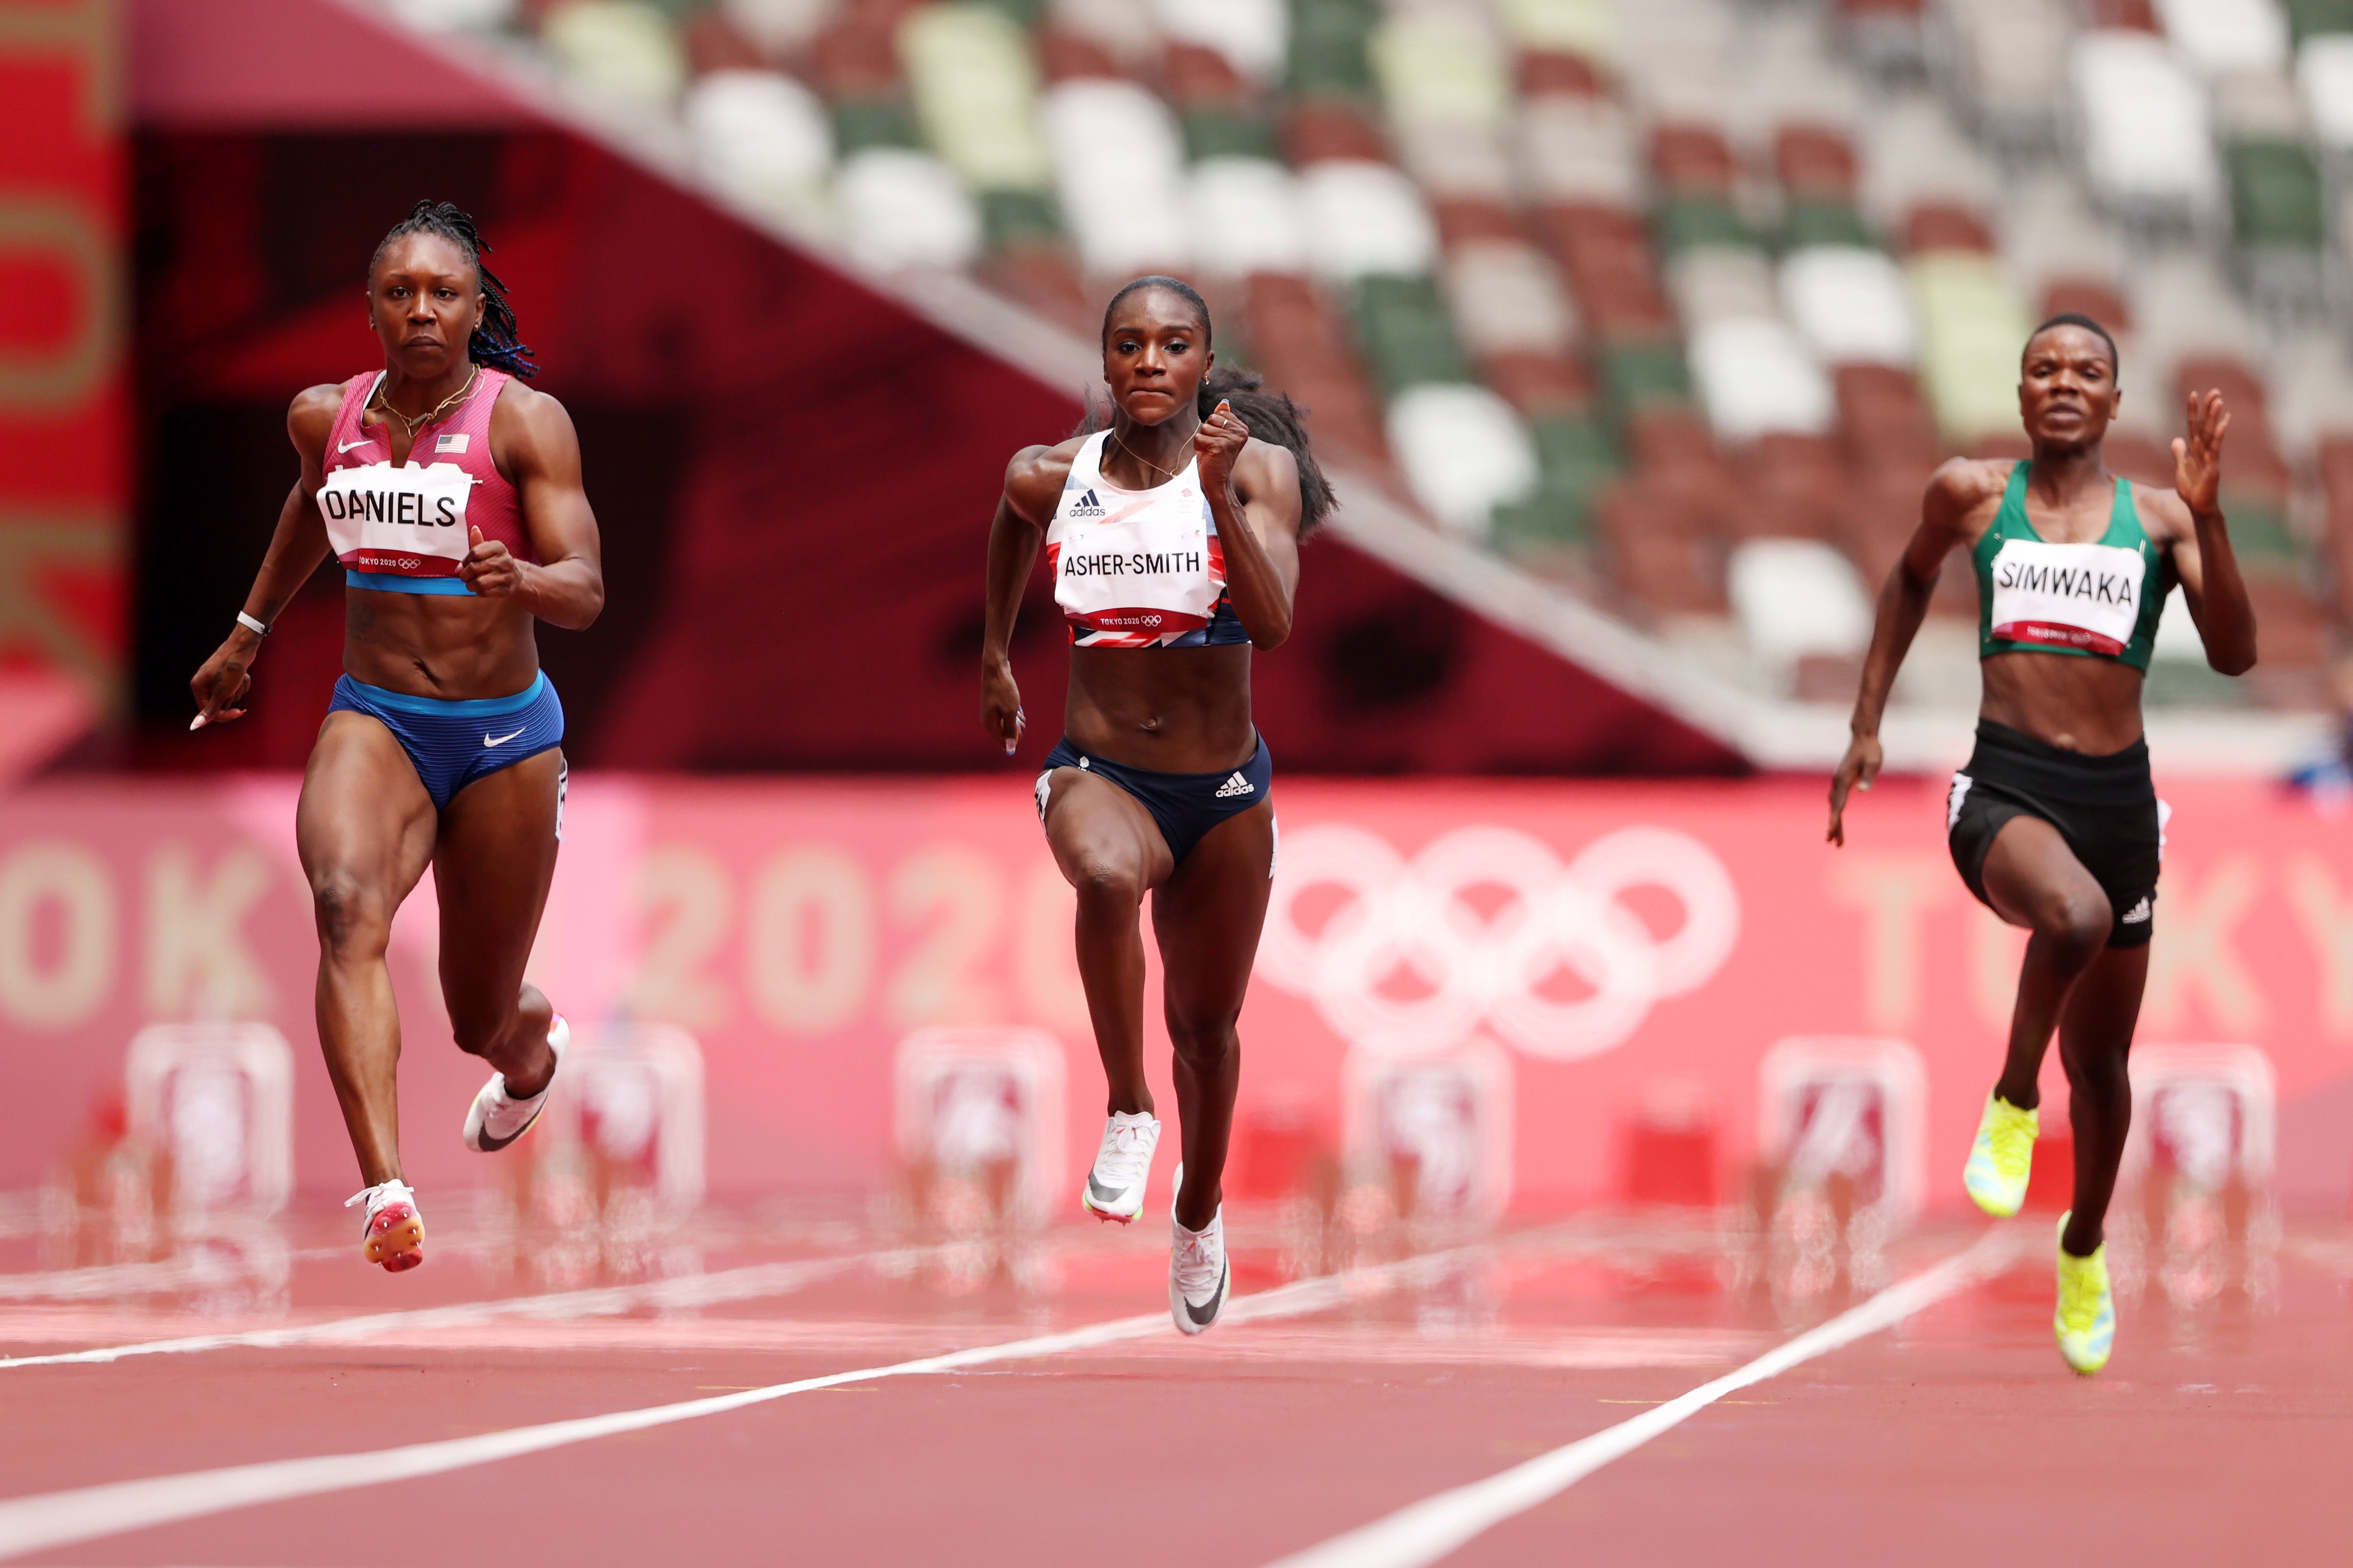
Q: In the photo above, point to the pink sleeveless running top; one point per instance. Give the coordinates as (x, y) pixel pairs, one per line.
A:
(405, 530)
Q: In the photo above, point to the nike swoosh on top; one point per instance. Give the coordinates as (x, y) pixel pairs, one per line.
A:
(502, 739)
(346, 446)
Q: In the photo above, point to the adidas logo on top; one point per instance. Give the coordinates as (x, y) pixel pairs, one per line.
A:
(1087, 506)
(1234, 787)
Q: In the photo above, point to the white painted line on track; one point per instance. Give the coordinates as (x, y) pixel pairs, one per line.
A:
(1437, 1526)
(88, 1513)
(686, 1291)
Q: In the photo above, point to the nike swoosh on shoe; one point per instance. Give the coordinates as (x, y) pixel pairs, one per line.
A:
(1205, 1315)
(1100, 1192)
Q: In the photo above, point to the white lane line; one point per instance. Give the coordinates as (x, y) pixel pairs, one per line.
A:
(686, 1291)
(88, 1513)
(1435, 1527)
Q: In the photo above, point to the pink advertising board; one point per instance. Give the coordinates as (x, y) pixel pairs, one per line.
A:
(1596, 950)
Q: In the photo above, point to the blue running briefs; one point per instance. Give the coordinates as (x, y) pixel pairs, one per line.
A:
(452, 744)
(1185, 805)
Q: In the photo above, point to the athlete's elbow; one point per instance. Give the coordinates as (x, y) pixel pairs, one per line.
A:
(2236, 661)
(1273, 634)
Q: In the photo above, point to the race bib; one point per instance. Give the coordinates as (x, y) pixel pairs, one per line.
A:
(2084, 596)
(408, 522)
(1146, 570)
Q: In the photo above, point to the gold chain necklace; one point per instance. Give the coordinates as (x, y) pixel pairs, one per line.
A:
(1140, 457)
(434, 412)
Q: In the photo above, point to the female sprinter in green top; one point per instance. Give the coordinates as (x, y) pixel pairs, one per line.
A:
(2055, 822)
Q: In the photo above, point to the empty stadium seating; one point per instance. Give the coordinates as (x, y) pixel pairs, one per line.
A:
(1626, 292)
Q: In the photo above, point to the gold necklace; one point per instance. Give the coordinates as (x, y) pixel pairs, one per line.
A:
(434, 412)
(1140, 457)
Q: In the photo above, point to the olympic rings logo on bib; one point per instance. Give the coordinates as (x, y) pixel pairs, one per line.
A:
(1414, 921)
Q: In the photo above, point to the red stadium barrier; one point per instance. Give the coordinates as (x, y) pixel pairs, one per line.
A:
(802, 932)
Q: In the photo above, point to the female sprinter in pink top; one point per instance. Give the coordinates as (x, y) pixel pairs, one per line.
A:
(1173, 536)
(451, 494)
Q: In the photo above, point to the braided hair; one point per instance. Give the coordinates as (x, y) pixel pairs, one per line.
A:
(498, 341)
(1271, 416)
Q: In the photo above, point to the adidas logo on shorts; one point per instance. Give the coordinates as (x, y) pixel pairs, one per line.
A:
(2137, 913)
(1234, 787)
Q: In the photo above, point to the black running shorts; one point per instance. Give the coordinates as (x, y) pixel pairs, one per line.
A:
(2105, 807)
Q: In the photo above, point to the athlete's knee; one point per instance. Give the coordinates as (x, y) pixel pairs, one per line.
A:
(1204, 1042)
(2098, 1074)
(353, 917)
(1106, 883)
(2076, 922)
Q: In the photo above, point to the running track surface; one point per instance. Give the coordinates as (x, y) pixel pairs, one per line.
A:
(1938, 1426)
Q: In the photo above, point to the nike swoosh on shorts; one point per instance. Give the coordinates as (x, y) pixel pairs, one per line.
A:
(502, 739)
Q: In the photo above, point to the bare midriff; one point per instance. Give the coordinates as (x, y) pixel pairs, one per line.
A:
(1171, 709)
(454, 646)
(2086, 705)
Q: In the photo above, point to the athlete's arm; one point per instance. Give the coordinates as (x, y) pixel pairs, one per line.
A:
(1032, 481)
(534, 445)
(1253, 492)
(297, 545)
(2200, 541)
(1959, 487)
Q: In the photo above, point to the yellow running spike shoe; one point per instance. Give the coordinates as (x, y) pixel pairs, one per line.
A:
(2001, 1158)
(2086, 1319)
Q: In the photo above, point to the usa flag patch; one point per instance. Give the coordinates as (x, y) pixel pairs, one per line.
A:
(453, 442)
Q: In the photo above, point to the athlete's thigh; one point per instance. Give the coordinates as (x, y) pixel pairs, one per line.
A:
(2029, 867)
(1097, 829)
(1206, 916)
(2104, 1009)
(364, 826)
(491, 872)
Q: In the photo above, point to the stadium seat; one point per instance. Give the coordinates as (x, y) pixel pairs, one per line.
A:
(2324, 68)
(1364, 219)
(1575, 461)
(1119, 167)
(1755, 377)
(1578, 150)
(1463, 451)
(2218, 36)
(975, 91)
(2013, 56)
(1797, 598)
(1722, 283)
(1586, 27)
(1972, 325)
(1507, 299)
(780, 29)
(1456, 159)
(2050, 236)
(628, 51)
(1328, 39)
(1252, 36)
(2185, 308)
(765, 138)
(450, 15)
(2146, 145)
(1850, 304)
(1246, 217)
(904, 208)
(2312, 397)
(1441, 65)
(1407, 337)
(1218, 132)
(1915, 156)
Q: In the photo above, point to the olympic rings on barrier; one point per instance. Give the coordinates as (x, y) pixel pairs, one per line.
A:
(1414, 920)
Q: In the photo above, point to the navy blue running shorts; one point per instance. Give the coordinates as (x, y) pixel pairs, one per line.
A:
(1185, 805)
(451, 744)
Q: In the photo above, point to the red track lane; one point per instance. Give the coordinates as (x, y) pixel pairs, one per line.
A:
(1956, 1436)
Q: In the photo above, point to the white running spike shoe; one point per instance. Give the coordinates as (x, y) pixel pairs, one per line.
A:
(496, 1119)
(1197, 1274)
(1114, 1187)
(394, 1232)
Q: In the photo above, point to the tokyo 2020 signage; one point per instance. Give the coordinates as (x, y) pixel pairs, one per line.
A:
(1486, 928)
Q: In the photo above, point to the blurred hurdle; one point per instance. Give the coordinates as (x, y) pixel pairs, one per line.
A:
(1850, 1113)
(1431, 1135)
(2200, 1156)
(627, 1115)
(980, 1125)
(217, 1100)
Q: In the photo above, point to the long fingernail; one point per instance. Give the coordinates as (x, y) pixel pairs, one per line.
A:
(197, 722)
